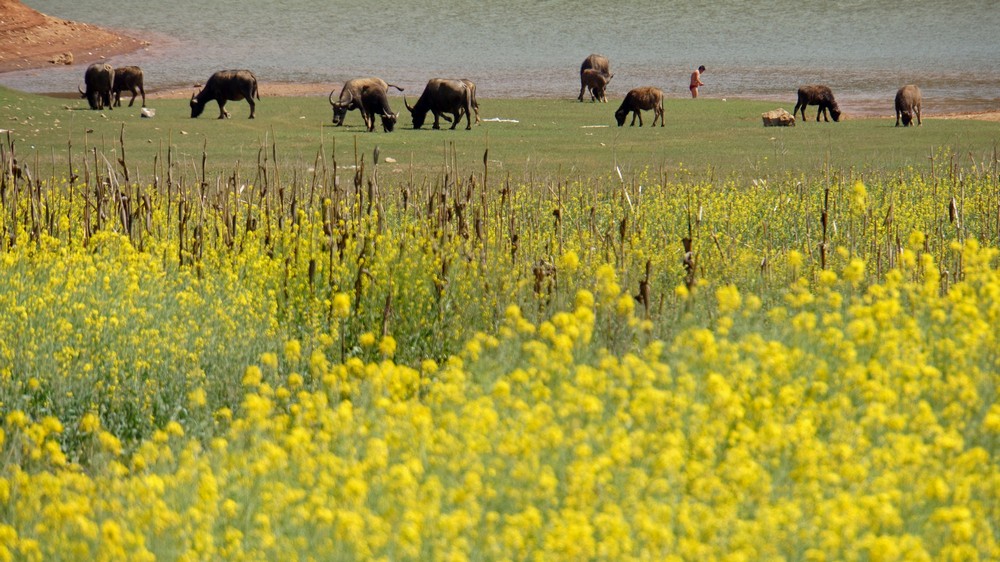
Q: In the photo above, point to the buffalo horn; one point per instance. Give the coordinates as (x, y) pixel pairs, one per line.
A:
(408, 106)
(82, 93)
(331, 96)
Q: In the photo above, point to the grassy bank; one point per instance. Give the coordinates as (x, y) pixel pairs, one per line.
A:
(551, 139)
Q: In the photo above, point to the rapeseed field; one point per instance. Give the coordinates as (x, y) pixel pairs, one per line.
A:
(472, 369)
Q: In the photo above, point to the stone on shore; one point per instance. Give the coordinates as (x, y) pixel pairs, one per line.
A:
(778, 118)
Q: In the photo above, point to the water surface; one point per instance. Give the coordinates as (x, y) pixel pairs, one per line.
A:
(864, 50)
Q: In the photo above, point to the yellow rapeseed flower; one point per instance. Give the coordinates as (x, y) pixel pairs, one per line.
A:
(366, 339)
(341, 305)
(197, 397)
(293, 351)
(568, 262)
(387, 347)
(90, 423)
(729, 299)
(269, 360)
(252, 376)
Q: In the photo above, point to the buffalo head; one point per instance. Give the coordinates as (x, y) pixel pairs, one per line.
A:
(620, 116)
(389, 121)
(196, 106)
(340, 108)
(418, 116)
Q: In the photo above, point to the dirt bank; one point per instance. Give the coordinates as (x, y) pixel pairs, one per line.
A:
(30, 39)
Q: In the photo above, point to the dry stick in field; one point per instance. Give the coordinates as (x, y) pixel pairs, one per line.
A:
(823, 221)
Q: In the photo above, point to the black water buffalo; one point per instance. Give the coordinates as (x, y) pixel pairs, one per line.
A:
(128, 78)
(820, 95)
(596, 62)
(375, 102)
(99, 78)
(597, 82)
(908, 100)
(350, 96)
(637, 99)
(223, 86)
(441, 96)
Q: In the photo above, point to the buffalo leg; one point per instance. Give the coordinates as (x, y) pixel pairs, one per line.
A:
(253, 107)
(437, 120)
(583, 87)
(799, 105)
(143, 92)
(223, 114)
(917, 110)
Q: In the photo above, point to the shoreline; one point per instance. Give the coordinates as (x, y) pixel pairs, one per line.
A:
(313, 89)
(34, 40)
(39, 41)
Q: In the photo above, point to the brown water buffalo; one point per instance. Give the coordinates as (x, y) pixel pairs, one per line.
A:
(596, 62)
(597, 82)
(99, 79)
(223, 86)
(472, 91)
(441, 96)
(350, 96)
(908, 100)
(817, 94)
(637, 99)
(128, 78)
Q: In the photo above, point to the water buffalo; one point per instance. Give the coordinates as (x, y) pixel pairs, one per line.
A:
(644, 98)
(223, 86)
(373, 101)
(440, 96)
(99, 78)
(597, 82)
(596, 62)
(472, 91)
(128, 78)
(820, 95)
(908, 100)
(350, 96)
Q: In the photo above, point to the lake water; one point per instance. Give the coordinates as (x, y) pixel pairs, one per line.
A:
(864, 49)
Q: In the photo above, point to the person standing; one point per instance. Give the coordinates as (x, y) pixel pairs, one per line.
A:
(696, 81)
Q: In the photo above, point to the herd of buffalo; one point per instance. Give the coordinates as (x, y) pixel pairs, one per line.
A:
(450, 99)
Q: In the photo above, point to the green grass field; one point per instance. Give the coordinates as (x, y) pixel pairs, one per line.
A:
(561, 139)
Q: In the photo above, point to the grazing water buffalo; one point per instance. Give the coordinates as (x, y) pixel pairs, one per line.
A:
(99, 78)
(908, 100)
(223, 86)
(440, 96)
(820, 95)
(374, 101)
(128, 78)
(644, 98)
(350, 96)
(597, 82)
(596, 62)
